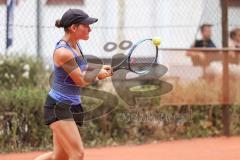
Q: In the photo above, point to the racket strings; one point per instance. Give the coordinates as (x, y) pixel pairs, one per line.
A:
(143, 57)
(143, 63)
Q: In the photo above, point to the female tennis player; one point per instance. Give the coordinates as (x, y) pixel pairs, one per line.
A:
(62, 110)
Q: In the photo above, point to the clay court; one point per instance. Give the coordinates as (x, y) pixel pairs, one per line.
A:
(221, 148)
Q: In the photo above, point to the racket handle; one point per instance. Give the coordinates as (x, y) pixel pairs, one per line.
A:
(110, 71)
(114, 69)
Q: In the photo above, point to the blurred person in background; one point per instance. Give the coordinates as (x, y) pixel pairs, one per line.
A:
(206, 41)
(203, 59)
(234, 43)
(234, 38)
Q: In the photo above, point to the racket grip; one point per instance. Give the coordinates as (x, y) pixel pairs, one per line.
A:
(114, 69)
(110, 71)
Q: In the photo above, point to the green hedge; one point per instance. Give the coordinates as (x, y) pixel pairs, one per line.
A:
(18, 71)
(22, 118)
(22, 124)
(21, 114)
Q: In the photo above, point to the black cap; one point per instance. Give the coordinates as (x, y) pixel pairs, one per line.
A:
(76, 16)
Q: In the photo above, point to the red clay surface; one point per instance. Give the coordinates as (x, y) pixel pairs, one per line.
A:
(221, 148)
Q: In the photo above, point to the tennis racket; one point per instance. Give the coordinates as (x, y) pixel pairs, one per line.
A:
(141, 57)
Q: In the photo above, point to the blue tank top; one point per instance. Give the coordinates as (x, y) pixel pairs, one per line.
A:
(63, 88)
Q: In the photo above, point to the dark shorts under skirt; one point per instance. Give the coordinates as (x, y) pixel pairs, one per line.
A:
(54, 111)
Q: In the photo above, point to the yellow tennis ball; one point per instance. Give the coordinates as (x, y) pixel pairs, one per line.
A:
(156, 41)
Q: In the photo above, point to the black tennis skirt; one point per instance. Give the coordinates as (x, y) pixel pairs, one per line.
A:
(54, 111)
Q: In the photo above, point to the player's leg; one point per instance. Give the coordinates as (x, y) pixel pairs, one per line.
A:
(58, 151)
(70, 139)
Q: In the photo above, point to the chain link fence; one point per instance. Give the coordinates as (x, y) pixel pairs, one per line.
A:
(175, 22)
